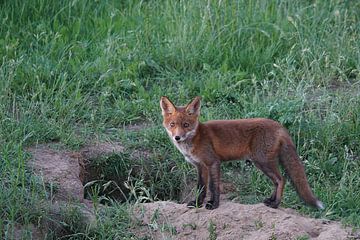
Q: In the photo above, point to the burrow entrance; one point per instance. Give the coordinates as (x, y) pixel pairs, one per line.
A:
(131, 175)
(106, 171)
(107, 177)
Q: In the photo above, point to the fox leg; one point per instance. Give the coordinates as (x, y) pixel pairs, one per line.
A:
(214, 185)
(271, 170)
(203, 174)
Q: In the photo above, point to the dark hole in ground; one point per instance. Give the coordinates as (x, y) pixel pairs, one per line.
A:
(130, 177)
(105, 177)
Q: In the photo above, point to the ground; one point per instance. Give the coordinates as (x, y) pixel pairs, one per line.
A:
(169, 220)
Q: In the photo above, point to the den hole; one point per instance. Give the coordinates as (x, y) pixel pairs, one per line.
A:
(125, 177)
(104, 177)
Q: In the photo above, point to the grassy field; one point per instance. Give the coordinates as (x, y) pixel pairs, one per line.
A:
(77, 70)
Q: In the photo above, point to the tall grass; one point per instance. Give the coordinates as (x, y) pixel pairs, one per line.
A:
(83, 66)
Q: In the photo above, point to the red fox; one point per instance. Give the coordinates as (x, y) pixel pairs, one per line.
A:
(205, 145)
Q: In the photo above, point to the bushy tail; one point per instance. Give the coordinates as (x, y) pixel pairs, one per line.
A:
(294, 168)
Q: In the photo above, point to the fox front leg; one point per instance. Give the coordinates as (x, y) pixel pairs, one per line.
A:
(202, 183)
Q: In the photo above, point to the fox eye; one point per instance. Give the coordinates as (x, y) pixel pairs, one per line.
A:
(172, 124)
(186, 125)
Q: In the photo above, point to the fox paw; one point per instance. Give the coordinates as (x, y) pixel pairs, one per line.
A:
(194, 204)
(268, 201)
(271, 203)
(210, 205)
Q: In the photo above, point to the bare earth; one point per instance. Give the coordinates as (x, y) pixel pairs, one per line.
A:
(65, 168)
(169, 220)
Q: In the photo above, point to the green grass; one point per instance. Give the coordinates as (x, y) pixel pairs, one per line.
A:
(72, 70)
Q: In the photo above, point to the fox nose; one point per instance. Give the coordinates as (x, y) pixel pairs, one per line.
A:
(177, 138)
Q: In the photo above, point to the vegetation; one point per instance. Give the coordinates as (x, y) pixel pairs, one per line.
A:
(78, 69)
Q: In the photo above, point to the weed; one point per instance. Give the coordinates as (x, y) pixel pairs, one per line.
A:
(305, 237)
(169, 228)
(193, 226)
(212, 230)
(259, 224)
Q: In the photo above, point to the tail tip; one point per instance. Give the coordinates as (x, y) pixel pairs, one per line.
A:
(319, 205)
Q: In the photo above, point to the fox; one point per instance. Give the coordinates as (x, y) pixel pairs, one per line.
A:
(205, 145)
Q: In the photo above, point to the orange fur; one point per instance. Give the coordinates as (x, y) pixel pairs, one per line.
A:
(205, 145)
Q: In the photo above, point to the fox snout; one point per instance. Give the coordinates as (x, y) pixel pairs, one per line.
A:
(182, 136)
(178, 137)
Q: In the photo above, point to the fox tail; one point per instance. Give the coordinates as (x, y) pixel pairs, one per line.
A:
(294, 168)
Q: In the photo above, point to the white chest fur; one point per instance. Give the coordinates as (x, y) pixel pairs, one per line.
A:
(186, 151)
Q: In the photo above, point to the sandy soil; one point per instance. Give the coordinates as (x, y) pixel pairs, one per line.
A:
(169, 220)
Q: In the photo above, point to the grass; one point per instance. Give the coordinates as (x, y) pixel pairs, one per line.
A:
(72, 70)
(212, 230)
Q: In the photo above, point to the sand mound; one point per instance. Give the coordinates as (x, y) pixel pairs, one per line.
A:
(169, 220)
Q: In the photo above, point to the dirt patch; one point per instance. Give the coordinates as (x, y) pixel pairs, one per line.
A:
(99, 149)
(60, 170)
(137, 126)
(169, 220)
(67, 171)
(64, 173)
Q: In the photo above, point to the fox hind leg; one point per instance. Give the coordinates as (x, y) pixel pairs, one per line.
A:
(214, 185)
(271, 170)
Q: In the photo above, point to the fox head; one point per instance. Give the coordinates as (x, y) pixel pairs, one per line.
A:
(180, 122)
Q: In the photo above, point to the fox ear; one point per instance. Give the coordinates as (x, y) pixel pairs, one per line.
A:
(167, 106)
(193, 108)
